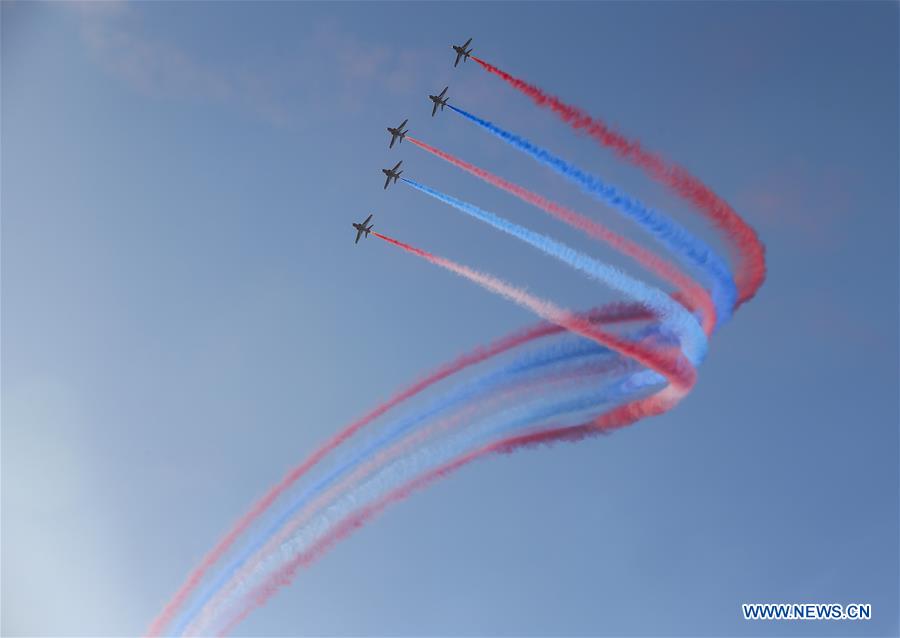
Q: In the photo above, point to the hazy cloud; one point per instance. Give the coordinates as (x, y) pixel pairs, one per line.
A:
(341, 66)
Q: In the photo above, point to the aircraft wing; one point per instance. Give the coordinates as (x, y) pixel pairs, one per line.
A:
(358, 235)
(393, 139)
(400, 128)
(397, 166)
(434, 109)
(444, 91)
(468, 42)
(368, 218)
(458, 56)
(387, 181)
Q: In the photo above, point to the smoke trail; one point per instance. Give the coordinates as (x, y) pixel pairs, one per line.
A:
(272, 582)
(611, 314)
(473, 390)
(749, 278)
(210, 559)
(518, 393)
(697, 296)
(751, 270)
(693, 340)
(569, 353)
(285, 574)
(678, 370)
(675, 238)
(621, 415)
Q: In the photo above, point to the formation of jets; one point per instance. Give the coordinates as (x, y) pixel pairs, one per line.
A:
(362, 228)
(463, 51)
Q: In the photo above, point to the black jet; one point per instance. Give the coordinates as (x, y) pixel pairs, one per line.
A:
(438, 101)
(392, 173)
(397, 132)
(461, 51)
(362, 228)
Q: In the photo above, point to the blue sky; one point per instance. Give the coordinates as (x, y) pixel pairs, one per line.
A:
(185, 315)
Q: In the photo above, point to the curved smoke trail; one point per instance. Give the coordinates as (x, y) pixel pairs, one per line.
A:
(418, 439)
(474, 390)
(594, 229)
(677, 370)
(751, 271)
(674, 237)
(655, 404)
(652, 298)
(692, 338)
(285, 574)
(698, 298)
(611, 314)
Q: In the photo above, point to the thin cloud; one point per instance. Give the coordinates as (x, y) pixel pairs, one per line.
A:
(330, 71)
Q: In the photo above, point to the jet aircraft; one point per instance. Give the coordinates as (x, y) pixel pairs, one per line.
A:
(397, 132)
(461, 51)
(392, 173)
(362, 228)
(438, 101)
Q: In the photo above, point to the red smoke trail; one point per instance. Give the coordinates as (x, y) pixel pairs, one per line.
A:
(673, 366)
(383, 458)
(611, 314)
(678, 370)
(285, 574)
(750, 275)
(751, 271)
(697, 296)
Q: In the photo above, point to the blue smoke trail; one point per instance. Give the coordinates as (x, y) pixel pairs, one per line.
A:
(476, 388)
(511, 420)
(674, 237)
(693, 339)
